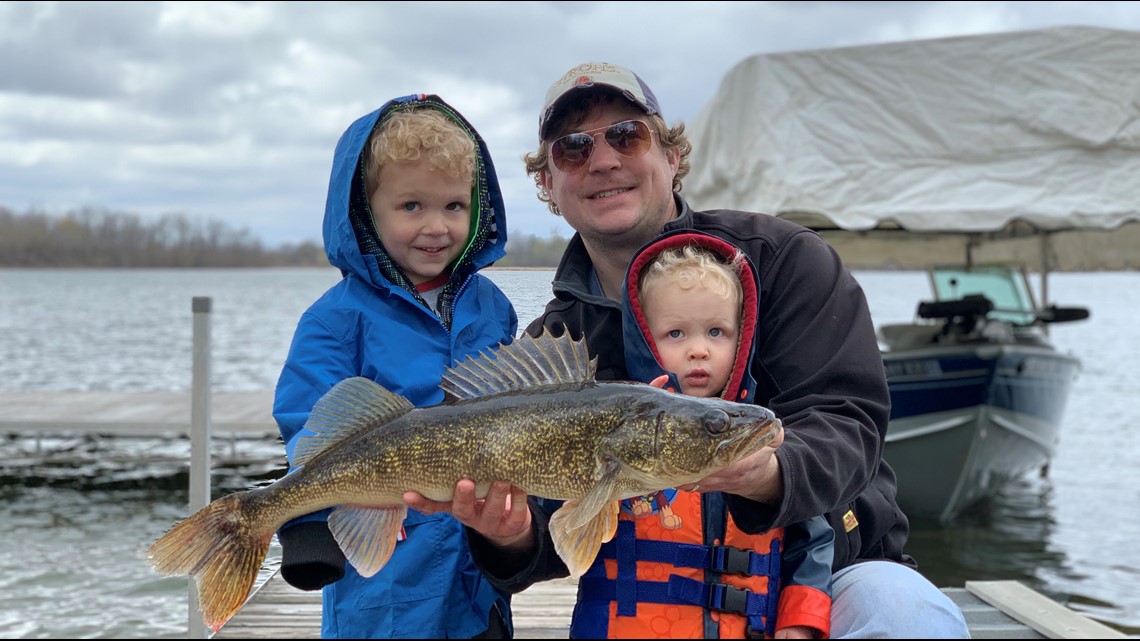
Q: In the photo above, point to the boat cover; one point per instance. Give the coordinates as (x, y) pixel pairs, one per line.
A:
(964, 141)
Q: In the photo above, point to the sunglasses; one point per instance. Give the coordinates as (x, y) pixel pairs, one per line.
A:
(630, 138)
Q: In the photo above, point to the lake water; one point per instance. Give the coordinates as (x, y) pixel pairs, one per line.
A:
(71, 541)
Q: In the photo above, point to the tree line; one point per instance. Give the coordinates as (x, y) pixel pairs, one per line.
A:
(92, 237)
(525, 250)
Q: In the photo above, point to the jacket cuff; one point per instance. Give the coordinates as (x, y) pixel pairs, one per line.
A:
(753, 517)
(310, 556)
(803, 606)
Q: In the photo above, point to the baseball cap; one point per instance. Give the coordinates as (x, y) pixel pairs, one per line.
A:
(592, 75)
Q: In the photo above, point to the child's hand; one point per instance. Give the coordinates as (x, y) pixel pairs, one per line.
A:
(795, 632)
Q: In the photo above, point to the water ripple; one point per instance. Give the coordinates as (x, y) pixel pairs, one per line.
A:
(72, 537)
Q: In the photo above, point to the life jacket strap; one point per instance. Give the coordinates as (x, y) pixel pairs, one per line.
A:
(717, 558)
(679, 590)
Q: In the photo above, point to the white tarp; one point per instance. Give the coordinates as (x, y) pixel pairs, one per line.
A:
(1004, 133)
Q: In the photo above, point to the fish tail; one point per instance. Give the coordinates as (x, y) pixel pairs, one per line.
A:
(218, 546)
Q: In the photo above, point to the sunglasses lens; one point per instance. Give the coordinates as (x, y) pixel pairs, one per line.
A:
(572, 151)
(631, 138)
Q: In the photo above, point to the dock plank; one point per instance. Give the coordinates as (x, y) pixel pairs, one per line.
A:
(132, 413)
(278, 611)
(1048, 617)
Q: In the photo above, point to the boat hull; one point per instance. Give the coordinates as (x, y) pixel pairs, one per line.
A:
(965, 419)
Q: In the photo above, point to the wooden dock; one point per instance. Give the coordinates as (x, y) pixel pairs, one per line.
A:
(993, 610)
(44, 426)
(132, 413)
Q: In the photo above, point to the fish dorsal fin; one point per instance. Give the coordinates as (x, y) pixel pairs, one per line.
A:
(524, 363)
(351, 406)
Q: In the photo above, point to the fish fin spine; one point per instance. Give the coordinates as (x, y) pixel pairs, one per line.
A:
(524, 363)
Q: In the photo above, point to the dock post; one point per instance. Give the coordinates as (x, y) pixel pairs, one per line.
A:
(199, 438)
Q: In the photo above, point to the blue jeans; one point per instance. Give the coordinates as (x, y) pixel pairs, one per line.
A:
(885, 600)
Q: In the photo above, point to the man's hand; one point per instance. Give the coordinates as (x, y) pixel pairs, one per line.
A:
(502, 517)
(756, 477)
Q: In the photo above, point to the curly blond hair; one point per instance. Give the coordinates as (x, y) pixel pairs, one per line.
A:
(412, 134)
(691, 266)
(575, 114)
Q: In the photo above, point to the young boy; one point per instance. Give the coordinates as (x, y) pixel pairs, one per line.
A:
(690, 309)
(413, 212)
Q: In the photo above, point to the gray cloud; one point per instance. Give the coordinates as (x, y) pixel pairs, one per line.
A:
(231, 110)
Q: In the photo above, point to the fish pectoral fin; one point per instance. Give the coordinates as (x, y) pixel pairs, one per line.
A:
(577, 547)
(614, 511)
(367, 536)
(596, 499)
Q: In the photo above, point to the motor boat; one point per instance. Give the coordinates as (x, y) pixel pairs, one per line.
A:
(978, 392)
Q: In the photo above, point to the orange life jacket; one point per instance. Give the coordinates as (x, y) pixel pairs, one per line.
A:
(680, 569)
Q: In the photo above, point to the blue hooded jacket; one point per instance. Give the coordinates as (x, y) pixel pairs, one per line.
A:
(373, 323)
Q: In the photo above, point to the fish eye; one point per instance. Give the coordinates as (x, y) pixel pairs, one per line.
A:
(716, 422)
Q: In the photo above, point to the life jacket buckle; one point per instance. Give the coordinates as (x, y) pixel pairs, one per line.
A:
(730, 560)
(727, 598)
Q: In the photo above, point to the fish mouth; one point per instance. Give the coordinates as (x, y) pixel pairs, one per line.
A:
(751, 440)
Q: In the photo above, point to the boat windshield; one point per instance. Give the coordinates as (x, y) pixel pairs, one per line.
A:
(1004, 285)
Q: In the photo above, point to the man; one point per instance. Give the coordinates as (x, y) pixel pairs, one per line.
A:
(608, 163)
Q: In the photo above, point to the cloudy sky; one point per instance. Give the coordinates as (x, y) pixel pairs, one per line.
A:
(230, 110)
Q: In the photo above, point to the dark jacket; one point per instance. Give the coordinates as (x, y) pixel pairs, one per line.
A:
(817, 366)
(373, 323)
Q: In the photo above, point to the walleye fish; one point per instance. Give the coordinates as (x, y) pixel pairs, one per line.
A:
(528, 412)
